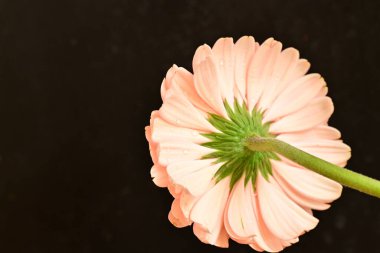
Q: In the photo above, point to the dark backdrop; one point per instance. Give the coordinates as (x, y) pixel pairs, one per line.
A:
(78, 80)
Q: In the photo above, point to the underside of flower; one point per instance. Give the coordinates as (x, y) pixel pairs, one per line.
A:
(202, 147)
(230, 144)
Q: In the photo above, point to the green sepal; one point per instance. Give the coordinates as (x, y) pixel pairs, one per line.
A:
(229, 144)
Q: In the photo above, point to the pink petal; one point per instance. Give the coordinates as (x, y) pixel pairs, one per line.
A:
(306, 187)
(283, 217)
(269, 80)
(244, 50)
(200, 54)
(179, 111)
(166, 83)
(209, 210)
(195, 176)
(321, 132)
(223, 53)
(187, 203)
(240, 219)
(295, 97)
(323, 91)
(170, 152)
(255, 72)
(208, 84)
(163, 89)
(256, 247)
(175, 190)
(299, 70)
(296, 70)
(159, 175)
(334, 151)
(265, 239)
(285, 63)
(262, 239)
(219, 239)
(148, 136)
(260, 69)
(152, 145)
(321, 145)
(182, 80)
(176, 216)
(164, 132)
(316, 112)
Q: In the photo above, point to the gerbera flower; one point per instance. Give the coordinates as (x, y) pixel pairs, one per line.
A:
(198, 145)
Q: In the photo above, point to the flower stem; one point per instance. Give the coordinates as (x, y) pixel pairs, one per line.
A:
(344, 176)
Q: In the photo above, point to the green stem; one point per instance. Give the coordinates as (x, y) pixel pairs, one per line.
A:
(344, 176)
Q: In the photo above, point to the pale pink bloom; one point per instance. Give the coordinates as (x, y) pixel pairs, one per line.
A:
(278, 210)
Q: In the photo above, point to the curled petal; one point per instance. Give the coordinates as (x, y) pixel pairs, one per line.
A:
(159, 175)
(176, 216)
(240, 218)
(265, 240)
(219, 238)
(209, 210)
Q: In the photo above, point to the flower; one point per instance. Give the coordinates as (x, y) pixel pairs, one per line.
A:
(196, 141)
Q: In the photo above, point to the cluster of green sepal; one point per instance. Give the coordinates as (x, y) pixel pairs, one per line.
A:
(230, 148)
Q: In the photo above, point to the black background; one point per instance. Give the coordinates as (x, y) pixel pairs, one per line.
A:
(78, 80)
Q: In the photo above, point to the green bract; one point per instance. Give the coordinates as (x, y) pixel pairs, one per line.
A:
(230, 144)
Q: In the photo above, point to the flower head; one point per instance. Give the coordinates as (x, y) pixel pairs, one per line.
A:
(197, 143)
